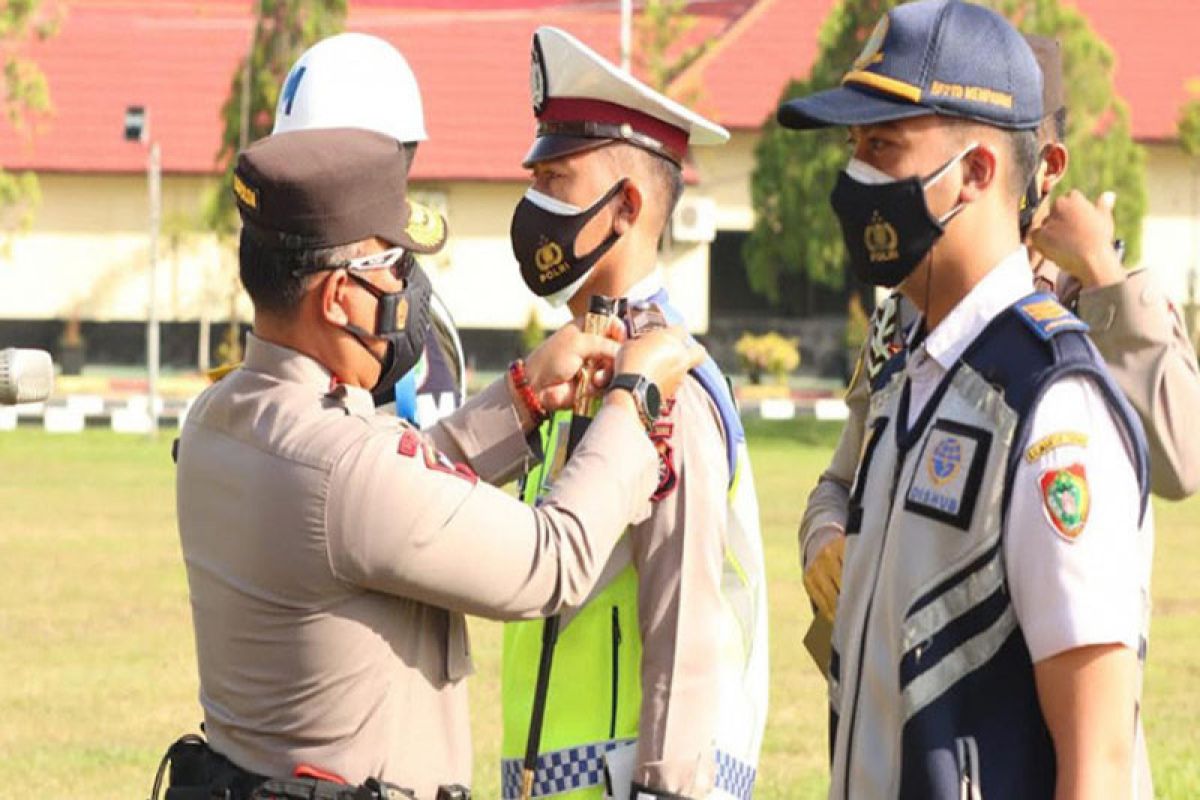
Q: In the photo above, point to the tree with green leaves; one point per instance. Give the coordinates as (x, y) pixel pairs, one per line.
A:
(661, 27)
(1189, 120)
(283, 30)
(26, 97)
(1189, 140)
(796, 232)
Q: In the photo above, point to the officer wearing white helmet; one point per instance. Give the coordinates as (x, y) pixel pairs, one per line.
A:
(355, 80)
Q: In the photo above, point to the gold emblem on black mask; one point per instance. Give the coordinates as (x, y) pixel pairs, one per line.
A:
(548, 256)
(881, 239)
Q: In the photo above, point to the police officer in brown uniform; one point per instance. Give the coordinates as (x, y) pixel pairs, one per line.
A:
(1137, 330)
(331, 552)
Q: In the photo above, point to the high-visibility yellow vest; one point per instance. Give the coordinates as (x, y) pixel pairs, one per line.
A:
(594, 697)
(595, 693)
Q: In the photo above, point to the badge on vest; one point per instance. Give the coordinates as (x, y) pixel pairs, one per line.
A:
(1066, 499)
(945, 484)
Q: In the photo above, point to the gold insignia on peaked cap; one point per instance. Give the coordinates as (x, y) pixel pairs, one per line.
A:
(425, 226)
(872, 52)
(881, 239)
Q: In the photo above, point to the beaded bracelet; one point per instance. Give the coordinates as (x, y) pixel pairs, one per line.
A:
(516, 371)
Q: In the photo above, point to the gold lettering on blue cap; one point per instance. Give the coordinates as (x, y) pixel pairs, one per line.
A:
(244, 192)
(872, 48)
(881, 239)
(976, 94)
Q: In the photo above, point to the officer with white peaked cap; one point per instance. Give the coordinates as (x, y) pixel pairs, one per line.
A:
(658, 687)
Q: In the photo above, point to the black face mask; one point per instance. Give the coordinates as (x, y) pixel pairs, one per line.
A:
(402, 320)
(543, 234)
(1032, 198)
(886, 226)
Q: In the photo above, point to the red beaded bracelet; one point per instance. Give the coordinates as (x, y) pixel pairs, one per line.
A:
(516, 371)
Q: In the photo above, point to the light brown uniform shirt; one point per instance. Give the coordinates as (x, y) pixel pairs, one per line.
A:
(332, 552)
(679, 553)
(1145, 346)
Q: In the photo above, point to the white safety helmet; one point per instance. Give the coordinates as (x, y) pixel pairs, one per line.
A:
(352, 80)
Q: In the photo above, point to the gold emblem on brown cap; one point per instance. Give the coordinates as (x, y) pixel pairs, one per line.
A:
(425, 227)
(881, 239)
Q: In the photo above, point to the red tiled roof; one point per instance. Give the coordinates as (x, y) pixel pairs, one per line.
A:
(1154, 43)
(741, 77)
(1156, 55)
(177, 57)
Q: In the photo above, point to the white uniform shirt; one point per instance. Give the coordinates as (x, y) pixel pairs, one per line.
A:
(1089, 586)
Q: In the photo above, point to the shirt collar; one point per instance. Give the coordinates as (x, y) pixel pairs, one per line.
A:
(1006, 283)
(646, 288)
(285, 363)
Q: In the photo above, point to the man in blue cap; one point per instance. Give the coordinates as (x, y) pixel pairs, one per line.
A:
(988, 636)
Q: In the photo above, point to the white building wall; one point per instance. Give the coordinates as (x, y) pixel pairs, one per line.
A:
(86, 254)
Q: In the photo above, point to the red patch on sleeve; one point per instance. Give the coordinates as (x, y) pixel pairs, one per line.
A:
(410, 443)
(668, 479)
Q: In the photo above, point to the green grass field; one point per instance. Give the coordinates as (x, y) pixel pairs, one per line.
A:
(97, 671)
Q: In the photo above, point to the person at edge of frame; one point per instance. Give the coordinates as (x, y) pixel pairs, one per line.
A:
(1133, 324)
(960, 400)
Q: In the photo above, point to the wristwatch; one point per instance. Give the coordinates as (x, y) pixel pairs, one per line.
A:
(646, 396)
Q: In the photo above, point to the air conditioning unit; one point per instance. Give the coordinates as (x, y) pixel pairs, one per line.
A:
(694, 220)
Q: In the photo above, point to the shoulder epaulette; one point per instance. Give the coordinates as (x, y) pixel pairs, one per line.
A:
(1047, 317)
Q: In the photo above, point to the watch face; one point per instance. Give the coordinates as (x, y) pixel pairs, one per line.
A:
(653, 400)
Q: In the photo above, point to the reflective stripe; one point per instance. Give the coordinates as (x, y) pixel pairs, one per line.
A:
(560, 771)
(957, 664)
(583, 767)
(958, 600)
(734, 777)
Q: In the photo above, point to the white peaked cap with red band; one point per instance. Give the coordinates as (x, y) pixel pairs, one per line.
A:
(583, 101)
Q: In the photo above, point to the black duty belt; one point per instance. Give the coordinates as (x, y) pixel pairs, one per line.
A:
(197, 772)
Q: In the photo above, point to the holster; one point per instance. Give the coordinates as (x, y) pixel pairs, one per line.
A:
(197, 772)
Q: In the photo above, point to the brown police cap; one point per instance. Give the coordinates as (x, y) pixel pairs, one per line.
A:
(324, 188)
(1048, 53)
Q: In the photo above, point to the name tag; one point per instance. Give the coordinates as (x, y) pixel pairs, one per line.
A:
(945, 484)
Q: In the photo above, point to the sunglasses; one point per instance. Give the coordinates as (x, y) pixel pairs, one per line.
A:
(396, 259)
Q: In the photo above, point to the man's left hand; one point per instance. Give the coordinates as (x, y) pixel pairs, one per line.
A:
(1078, 237)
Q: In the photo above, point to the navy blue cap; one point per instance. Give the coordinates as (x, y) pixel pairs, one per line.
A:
(932, 57)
